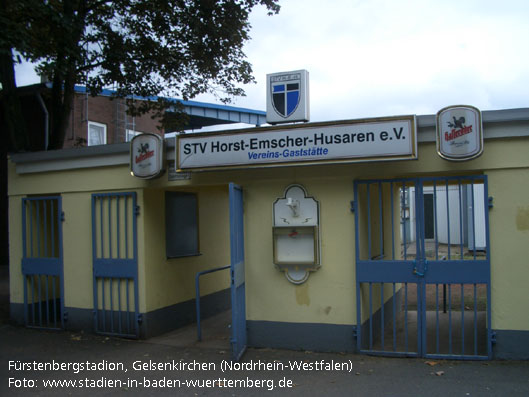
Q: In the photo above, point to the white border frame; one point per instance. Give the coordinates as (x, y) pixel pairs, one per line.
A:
(439, 133)
(97, 124)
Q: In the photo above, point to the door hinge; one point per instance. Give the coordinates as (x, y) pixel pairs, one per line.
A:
(137, 210)
(62, 216)
(493, 337)
(352, 206)
(140, 318)
(355, 332)
(491, 202)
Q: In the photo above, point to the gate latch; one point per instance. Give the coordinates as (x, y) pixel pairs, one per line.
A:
(424, 266)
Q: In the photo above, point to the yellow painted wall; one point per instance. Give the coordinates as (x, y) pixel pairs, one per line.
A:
(170, 281)
(329, 294)
(79, 180)
(77, 250)
(509, 241)
(15, 250)
(161, 282)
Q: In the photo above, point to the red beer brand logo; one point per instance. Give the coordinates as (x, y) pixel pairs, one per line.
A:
(449, 136)
(458, 128)
(144, 153)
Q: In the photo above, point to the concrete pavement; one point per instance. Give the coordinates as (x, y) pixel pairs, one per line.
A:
(33, 362)
(48, 363)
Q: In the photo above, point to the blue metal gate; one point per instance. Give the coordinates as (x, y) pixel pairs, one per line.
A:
(423, 284)
(238, 288)
(42, 262)
(115, 264)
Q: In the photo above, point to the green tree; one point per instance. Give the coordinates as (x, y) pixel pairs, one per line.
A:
(165, 48)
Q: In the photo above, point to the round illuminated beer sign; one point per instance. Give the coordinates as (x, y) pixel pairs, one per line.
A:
(146, 156)
(459, 133)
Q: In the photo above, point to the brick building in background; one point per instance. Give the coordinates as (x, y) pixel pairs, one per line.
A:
(104, 120)
(94, 120)
(101, 119)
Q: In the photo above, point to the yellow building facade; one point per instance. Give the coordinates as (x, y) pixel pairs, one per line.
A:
(331, 310)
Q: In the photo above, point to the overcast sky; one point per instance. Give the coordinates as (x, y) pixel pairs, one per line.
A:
(370, 58)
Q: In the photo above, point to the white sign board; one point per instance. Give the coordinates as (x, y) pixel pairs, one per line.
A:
(459, 133)
(392, 138)
(287, 97)
(146, 156)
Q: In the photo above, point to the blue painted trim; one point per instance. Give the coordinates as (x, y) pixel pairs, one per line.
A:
(511, 345)
(172, 317)
(357, 259)
(115, 268)
(94, 256)
(154, 323)
(238, 288)
(41, 266)
(111, 93)
(301, 336)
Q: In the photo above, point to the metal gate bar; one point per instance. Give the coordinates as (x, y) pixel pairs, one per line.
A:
(466, 333)
(390, 329)
(114, 250)
(386, 283)
(42, 262)
(197, 296)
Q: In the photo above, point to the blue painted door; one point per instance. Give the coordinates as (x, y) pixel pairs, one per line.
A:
(42, 262)
(417, 295)
(115, 264)
(238, 289)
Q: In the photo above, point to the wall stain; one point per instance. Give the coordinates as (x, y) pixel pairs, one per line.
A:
(302, 294)
(522, 218)
(327, 310)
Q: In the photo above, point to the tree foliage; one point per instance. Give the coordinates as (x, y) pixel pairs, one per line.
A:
(167, 48)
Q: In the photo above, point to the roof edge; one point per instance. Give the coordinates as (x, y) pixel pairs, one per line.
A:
(113, 154)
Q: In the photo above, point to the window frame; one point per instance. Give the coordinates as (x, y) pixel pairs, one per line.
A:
(96, 124)
(129, 134)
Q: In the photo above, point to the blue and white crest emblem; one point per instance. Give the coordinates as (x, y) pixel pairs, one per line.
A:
(286, 93)
(287, 97)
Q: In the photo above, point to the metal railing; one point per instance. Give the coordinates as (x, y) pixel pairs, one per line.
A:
(197, 296)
